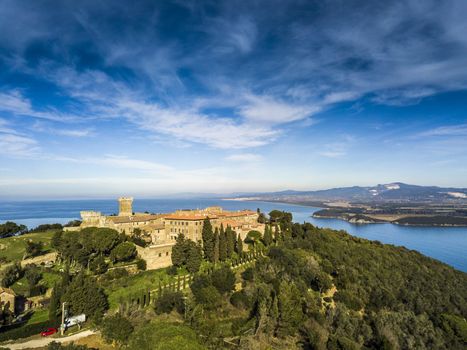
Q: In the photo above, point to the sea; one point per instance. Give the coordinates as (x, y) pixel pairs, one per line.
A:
(446, 244)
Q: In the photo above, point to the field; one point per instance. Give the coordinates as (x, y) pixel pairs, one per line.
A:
(13, 248)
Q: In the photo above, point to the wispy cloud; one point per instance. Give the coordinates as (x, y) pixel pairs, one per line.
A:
(14, 102)
(449, 130)
(12, 145)
(244, 157)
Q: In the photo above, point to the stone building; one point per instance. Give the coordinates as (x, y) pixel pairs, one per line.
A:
(8, 299)
(162, 230)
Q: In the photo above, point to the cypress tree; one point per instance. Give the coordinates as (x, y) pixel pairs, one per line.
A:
(194, 257)
(239, 246)
(230, 242)
(178, 251)
(208, 240)
(267, 238)
(222, 245)
(277, 236)
(216, 245)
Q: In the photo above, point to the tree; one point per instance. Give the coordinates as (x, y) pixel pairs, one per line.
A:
(84, 296)
(123, 252)
(230, 242)
(290, 309)
(168, 301)
(216, 245)
(277, 235)
(33, 274)
(222, 245)
(33, 248)
(194, 256)
(267, 238)
(56, 240)
(178, 251)
(239, 246)
(253, 237)
(223, 279)
(11, 274)
(208, 240)
(98, 265)
(116, 329)
(9, 229)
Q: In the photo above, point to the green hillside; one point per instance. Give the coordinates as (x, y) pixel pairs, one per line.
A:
(13, 248)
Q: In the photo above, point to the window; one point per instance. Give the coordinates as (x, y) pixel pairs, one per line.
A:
(160, 254)
(166, 253)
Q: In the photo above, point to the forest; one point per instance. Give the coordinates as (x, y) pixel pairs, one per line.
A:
(307, 288)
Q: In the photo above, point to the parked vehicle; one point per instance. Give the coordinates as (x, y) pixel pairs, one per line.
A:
(49, 331)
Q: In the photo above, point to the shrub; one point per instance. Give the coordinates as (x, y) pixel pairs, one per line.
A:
(116, 329)
(17, 331)
(168, 301)
(240, 300)
(248, 274)
(123, 252)
(223, 279)
(141, 264)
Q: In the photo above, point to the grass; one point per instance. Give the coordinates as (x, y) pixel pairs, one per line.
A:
(13, 248)
(39, 315)
(124, 287)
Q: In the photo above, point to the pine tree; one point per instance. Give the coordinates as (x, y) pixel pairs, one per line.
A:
(216, 245)
(239, 246)
(267, 238)
(208, 240)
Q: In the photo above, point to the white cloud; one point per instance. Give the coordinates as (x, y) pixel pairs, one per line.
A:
(269, 110)
(244, 157)
(14, 102)
(12, 145)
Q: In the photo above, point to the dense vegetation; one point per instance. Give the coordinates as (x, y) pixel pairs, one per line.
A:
(9, 229)
(309, 288)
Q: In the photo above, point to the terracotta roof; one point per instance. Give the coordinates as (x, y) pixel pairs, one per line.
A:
(198, 216)
(237, 213)
(187, 217)
(134, 218)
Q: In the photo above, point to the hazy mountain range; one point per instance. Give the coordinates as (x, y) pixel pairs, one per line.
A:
(397, 192)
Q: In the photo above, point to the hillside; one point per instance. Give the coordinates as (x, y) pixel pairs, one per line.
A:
(325, 289)
(393, 192)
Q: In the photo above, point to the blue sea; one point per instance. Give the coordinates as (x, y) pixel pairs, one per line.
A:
(447, 244)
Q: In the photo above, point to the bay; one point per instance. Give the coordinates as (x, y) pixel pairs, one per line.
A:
(447, 244)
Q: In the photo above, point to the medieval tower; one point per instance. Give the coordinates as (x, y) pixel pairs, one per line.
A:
(125, 206)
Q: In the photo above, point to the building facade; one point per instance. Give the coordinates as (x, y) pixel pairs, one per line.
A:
(161, 230)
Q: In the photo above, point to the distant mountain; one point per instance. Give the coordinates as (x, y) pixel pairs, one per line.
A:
(393, 192)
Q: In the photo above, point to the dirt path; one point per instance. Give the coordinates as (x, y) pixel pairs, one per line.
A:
(43, 342)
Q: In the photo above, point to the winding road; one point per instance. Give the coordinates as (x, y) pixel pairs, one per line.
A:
(43, 342)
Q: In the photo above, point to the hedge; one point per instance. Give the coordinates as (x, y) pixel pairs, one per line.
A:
(17, 331)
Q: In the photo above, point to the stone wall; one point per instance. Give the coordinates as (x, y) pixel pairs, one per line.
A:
(156, 257)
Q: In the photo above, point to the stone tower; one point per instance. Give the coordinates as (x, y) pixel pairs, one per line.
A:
(125, 206)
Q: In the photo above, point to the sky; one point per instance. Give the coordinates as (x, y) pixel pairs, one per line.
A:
(151, 98)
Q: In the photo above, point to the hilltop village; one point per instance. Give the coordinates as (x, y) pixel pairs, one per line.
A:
(160, 231)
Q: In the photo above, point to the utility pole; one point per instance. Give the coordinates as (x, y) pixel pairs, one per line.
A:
(62, 326)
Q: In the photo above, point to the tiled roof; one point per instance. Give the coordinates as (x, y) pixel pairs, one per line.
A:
(134, 218)
(187, 217)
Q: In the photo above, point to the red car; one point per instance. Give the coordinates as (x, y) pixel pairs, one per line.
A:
(49, 331)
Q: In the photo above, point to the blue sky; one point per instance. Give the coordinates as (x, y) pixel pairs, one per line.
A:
(102, 98)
